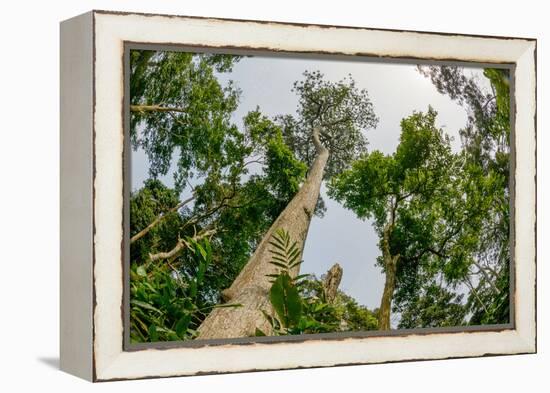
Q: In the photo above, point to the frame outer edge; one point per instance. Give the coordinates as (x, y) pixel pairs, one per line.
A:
(76, 237)
(527, 320)
(115, 364)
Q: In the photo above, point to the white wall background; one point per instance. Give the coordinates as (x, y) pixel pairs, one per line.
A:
(29, 197)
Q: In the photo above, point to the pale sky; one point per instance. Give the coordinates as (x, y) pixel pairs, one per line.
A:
(396, 90)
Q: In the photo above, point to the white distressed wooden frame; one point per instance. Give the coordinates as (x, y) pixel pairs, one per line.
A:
(92, 195)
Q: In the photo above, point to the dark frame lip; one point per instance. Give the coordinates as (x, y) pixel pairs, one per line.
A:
(130, 347)
(312, 54)
(297, 339)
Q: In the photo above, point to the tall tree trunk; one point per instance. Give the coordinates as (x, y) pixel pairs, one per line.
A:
(385, 305)
(390, 265)
(251, 287)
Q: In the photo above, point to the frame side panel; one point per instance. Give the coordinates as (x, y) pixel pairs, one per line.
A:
(76, 179)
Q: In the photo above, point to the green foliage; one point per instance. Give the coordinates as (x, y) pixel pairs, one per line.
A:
(355, 317)
(448, 213)
(406, 182)
(486, 136)
(340, 315)
(343, 112)
(234, 203)
(199, 132)
(284, 293)
(146, 204)
(283, 171)
(319, 316)
(286, 300)
(431, 204)
(433, 307)
(285, 255)
(299, 302)
(491, 303)
(164, 305)
(486, 147)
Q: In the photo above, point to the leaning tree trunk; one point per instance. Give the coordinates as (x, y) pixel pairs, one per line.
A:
(390, 266)
(251, 287)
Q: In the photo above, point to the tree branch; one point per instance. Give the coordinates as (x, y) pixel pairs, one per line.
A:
(470, 285)
(437, 252)
(222, 204)
(343, 120)
(182, 244)
(155, 108)
(258, 161)
(159, 218)
(316, 141)
(484, 272)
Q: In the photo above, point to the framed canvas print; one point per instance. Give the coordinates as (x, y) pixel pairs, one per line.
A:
(246, 195)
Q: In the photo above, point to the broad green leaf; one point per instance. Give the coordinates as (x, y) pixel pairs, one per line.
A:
(141, 271)
(153, 335)
(193, 289)
(200, 272)
(201, 250)
(182, 324)
(286, 300)
(144, 305)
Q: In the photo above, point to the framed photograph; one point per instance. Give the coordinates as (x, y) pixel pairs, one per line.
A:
(247, 195)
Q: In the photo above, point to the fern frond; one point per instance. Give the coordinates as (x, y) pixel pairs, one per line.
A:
(285, 253)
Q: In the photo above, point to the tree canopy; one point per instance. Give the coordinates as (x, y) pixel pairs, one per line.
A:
(180, 110)
(429, 206)
(221, 195)
(341, 110)
(486, 146)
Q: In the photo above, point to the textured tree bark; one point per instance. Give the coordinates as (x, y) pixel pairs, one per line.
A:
(332, 282)
(387, 297)
(251, 287)
(390, 264)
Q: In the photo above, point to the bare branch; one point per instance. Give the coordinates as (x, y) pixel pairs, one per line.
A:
(489, 281)
(181, 245)
(259, 161)
(470, 285)
(155, 108)
(159, 218)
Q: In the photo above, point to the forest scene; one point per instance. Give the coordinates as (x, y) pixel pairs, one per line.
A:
(275, 196)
